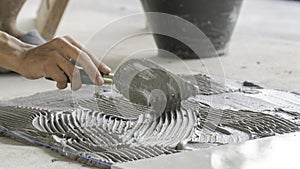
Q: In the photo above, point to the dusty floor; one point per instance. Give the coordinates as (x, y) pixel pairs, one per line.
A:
(264, 49)
(254, 154)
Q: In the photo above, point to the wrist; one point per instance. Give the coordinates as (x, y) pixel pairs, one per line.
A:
(12, 52)
(19, 57)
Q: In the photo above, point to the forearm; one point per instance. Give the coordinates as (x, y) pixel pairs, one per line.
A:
(52, 59)
(11, 51)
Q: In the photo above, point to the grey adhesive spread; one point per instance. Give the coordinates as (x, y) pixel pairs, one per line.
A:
(108, 128)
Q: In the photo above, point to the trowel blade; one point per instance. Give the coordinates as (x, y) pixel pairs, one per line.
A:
(144, 82)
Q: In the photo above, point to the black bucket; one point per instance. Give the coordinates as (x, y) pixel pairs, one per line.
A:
(215, 18)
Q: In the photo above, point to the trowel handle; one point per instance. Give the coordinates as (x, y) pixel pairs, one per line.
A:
(86, 80)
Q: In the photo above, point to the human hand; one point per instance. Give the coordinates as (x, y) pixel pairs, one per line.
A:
(54, 60)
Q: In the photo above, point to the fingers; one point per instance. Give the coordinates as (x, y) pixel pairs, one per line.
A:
(101, 66)
(71, 71)
(58, 75)
(67, 50)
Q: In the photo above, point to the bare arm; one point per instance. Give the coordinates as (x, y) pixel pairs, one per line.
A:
(11, 51)
(50, 60)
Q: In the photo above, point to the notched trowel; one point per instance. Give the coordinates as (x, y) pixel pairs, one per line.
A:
(146, 83)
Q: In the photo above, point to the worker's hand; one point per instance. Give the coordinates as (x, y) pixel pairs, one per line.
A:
(53, 59)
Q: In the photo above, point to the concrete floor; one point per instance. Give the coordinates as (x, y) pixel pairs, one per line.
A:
(276, 153)
(264, 49)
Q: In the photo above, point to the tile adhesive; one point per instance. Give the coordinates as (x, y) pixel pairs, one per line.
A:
(103, 127)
